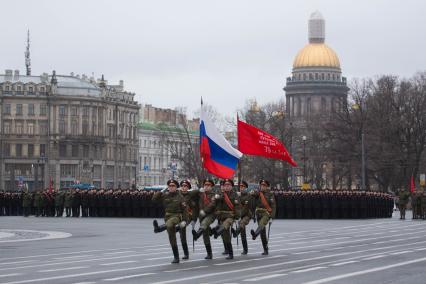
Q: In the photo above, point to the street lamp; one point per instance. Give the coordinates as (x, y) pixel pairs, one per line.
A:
(304, 158)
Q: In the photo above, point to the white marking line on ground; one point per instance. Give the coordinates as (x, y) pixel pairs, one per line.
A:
(281, 264)
(401, 252)
(75, 256)
(344, 263)
(84, 283)
(16, 262)
(366, 271)
(185, 269)
(375, 257)
(64, 269)
(264, 277)
(119, 252)
(115, 263)
(49, 235)
(304, 252)
(248, 260)
(420, 249)
(128, 276)
(10, 275)
(309, 269)
(119, 257)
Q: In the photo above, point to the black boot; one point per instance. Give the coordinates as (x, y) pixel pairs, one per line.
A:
(225, 252)
(158, 229)
(197, 234)
(175, 254)
(244, 242)
(219, 231)
(209, 251)
(236, 232)
(230, 251)
(213, 231)
(185, 251)
(265, 247)
(255, 234)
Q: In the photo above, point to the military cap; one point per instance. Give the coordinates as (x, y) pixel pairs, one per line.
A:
(170, 181)
(227, 180)
(264, 181)
(244, 183)
(187, 182)
(209, 180)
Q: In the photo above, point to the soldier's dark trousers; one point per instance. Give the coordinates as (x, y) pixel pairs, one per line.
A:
(26, 211)
(59, 211)
(68, 211)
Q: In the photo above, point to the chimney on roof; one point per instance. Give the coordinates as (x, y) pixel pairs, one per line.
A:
(16, 75)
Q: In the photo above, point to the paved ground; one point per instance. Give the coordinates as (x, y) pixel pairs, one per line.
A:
(127, 251)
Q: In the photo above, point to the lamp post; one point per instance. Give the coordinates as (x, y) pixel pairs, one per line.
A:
(304, 158)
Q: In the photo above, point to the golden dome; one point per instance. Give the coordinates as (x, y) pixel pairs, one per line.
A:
(316, 55)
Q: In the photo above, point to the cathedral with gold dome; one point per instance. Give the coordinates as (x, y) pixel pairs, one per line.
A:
(314, 91)
(316, 85)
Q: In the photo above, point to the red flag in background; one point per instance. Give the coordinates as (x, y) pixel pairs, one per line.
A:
(412, 186)
(254, 141)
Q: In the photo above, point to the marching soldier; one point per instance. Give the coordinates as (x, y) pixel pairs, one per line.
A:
(68, 202)
(59, 203)
(246, 214)
(207, 215)
(174, 206)
(191, 201)
(265, 212)
(26, 203)
(226, 210)
(403, 201)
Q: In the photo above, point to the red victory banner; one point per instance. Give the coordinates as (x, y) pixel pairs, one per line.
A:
(254, 141)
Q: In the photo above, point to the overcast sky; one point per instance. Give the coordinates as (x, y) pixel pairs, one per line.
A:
(172, 52)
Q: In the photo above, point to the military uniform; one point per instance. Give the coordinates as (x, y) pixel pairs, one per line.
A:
(265, 205)
(207, 204)
(246, 214)
(191, 199)
(403, 201)
(59, 204)
(174, 207)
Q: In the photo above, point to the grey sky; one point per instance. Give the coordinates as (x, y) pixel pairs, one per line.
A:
(172, 52)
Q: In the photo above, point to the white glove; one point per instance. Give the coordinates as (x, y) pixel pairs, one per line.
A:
(202, 213)
(239, 193)
(216, 196)
(193, 224)
(182, 224)
(164, 190)
(202, 189)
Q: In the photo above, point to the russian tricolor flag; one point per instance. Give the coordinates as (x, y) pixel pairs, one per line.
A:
(218, 156)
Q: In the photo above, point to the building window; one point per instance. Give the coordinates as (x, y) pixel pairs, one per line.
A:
(43, 109)
(30, 150)
(30, 90)
(19, 109)
(30, 128)
(62, 110)
(42, 150)
(86, 151)
(322, 76)
(316, 76)
(62, 150)
(6, 150)
(323, 104)
(85, 127)
(6, 109)
(6, 127)
(62, 128)
(74, 111)
(42, 127)
(69, 171)
(18, 128)
(74, 151)
(74, 127)
(18, 150)
(30, 109)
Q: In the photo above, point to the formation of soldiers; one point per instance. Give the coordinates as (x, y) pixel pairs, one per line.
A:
(324, 204)
(207, 205)
(418, 204)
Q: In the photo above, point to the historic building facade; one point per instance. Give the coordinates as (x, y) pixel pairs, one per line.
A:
(315, 89)
(165, 137)
(66, 129)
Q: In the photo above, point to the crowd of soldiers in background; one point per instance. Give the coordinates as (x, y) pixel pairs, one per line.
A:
(418, 203)
(313, 204)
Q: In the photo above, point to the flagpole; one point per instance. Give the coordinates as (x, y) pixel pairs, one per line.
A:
(239, 161)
